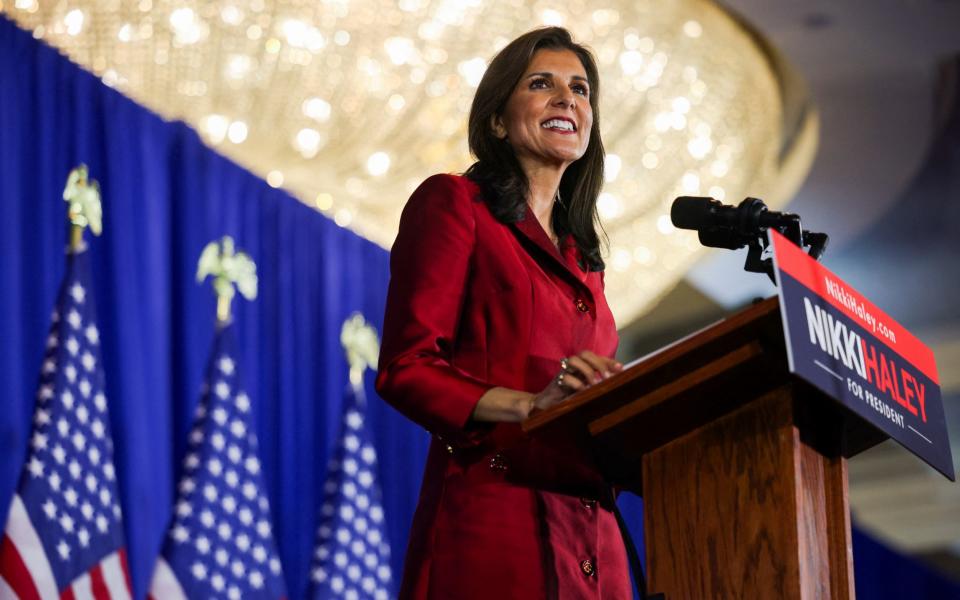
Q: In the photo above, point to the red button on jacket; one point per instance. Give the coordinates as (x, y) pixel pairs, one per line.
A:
(474, 304)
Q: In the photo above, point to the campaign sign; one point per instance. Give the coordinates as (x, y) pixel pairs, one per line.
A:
(852, 351)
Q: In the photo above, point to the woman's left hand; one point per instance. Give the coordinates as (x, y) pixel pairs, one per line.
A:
(577, 372)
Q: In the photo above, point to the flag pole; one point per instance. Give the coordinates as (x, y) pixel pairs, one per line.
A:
(360, 343)
(231, 271)
(55, 543)
(222, 517)
(351, 514)
(223, 309)
(76, 238)
(84, 209)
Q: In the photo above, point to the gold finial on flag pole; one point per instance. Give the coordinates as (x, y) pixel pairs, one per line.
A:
(228, 268)
(82, 196)
(362, 346)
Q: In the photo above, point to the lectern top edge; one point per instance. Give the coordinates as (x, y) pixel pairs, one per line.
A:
(761, 313)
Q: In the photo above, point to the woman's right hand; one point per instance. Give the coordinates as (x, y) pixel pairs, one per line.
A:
(576, 373)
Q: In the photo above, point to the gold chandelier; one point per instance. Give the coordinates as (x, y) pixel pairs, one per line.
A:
(350, 104)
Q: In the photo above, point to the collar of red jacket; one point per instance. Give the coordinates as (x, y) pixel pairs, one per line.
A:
(565, 263)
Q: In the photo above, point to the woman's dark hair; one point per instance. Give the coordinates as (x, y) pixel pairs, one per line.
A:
(497, 170)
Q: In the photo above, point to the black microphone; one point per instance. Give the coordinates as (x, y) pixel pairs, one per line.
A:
(709, 215)
(733, 227)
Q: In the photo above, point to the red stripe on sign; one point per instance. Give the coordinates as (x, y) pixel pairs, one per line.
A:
(122, 553)
(13, 569)
(822, 282)
(98, 587)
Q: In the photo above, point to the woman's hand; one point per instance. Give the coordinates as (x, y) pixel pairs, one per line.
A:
(576, 373)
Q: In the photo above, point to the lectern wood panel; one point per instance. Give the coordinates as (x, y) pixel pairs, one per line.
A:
(741, 508)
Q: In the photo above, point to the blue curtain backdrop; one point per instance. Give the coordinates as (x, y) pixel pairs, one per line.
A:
(165, 195)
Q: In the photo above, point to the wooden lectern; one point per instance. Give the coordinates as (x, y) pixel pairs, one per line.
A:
(742, 467)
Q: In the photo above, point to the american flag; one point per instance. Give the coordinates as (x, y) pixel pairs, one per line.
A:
(64, 533)
(352, 556)
(220, 543)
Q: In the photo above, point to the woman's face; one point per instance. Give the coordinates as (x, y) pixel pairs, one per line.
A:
(548, 117)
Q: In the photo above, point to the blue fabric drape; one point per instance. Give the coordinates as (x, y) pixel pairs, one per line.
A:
(882, 574)
(165, 195)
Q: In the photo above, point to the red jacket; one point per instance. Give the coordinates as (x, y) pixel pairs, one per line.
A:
(474, 304)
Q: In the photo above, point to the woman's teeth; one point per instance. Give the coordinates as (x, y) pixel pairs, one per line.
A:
(558, 124)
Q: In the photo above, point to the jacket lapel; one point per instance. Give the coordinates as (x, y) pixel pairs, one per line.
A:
(534, 237)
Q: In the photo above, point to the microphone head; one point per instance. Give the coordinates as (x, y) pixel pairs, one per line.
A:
(694, 212)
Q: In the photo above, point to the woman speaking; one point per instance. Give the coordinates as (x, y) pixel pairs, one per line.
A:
(496, 310)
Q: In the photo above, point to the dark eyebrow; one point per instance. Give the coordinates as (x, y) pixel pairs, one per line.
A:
(550, 75)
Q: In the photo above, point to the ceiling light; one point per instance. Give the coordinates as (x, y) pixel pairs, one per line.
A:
(275, 178)
(378, 164)
(237, 132)
(359, 102)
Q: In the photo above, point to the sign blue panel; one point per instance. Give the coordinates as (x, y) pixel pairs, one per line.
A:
(849, 349)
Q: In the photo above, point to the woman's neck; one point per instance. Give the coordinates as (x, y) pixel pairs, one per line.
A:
(541, 195)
